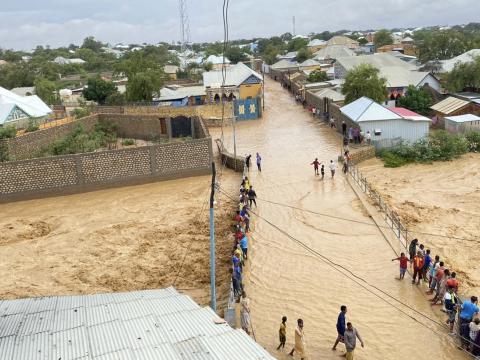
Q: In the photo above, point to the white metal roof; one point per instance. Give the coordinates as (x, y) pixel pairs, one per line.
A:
(235, 75)
(331, 94)
(216, 60)
(31, 105)
(316, 42)
(466, 57)
(463, 118)
(309, 62)
(365, 109)
(139, 325)
(379, 60)
(334, 52)
(181, 93)
(284, 64)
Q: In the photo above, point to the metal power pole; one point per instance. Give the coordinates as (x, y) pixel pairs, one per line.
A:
(184, 25)
(263, 91)
(213, 295)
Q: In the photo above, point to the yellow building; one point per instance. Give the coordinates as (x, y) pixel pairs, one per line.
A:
(241, 82)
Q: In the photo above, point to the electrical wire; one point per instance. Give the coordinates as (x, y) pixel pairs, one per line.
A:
(355, 278)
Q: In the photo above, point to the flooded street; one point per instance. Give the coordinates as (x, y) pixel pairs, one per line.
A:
(286, 279)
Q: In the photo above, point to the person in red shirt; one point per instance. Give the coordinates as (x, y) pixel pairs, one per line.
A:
(315, 164)
(452, 282)
(403, 265)
(417, 267)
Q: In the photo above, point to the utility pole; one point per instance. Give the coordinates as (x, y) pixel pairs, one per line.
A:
(293, 25)
(234, 140)
(263, 91)
(213, 295)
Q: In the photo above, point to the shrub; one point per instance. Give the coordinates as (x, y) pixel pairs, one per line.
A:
(128, 142)
(79, 113)
(473, 139)
(8, 132)
(32, 126)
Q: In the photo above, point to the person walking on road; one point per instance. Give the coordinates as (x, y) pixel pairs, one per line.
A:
(248, 161)
(351, 335)
(403, 265)
(332, 166)
(315, 164)
(245, 312)
(340, 326)
(412, 249)
(282, 333)
(259, 162)
(322, 171)
(344, 128)
(251, 196)
(299, 340)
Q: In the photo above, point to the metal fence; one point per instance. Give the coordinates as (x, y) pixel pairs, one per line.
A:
(392, 219)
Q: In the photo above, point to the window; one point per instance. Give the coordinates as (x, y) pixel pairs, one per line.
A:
(378, 132)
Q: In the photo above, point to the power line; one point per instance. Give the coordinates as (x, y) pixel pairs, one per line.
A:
(354, 278)
(363, 222)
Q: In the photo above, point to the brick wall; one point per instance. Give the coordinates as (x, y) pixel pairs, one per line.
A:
(83, 172)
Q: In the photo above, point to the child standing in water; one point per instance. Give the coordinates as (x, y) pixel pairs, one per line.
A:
(403, 265)
(322, 171)
(282, 333)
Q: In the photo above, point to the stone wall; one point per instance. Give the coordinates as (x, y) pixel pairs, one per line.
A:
(362, 154)
(146, 127)
(204, 111)
(228, 159)
(83, 172)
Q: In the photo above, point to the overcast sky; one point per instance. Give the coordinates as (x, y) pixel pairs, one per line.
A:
(27, 23)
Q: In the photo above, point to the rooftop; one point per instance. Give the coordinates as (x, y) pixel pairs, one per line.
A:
(449, 105)
(379, 60)
(139, 325)
(167, 94)
(33, 106)
(342, 40)
(466, 57)
(235, 75)
(463, 118)
(334, 52)
(284, 64)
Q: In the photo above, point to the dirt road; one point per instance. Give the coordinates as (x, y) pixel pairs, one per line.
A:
(285, 279)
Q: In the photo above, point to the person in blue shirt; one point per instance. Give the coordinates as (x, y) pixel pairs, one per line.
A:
(340, 326)
(244, 246)
(467, 311)
(427, 260)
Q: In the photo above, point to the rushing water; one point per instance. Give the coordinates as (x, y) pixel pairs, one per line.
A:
(286, 279)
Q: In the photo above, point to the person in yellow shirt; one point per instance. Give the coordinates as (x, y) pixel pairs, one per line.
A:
(282, 333)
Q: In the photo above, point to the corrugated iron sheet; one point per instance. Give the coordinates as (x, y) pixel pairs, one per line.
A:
(144, 332)
(193, 349)
(108, 337)
(68, 319)
(33, 347)
(162, 351)
(10, 324)
(69, 344)
(37, 322)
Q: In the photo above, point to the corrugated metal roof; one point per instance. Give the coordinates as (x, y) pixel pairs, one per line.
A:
(150, 324)
(365, 109)
(449, 105)
(463, 118)
(235, 75)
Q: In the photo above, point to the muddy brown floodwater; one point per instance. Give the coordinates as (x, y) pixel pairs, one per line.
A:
(285, 279)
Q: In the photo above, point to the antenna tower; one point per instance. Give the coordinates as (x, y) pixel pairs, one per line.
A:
(293, 25)
(184, 25)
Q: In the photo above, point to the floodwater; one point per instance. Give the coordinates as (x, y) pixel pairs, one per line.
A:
(286, 279)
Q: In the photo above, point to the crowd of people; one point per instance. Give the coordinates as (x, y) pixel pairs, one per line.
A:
(317, 165)
(247, 199)
(463, 316)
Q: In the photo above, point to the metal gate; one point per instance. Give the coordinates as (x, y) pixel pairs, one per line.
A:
(246, 109)
(181, 126)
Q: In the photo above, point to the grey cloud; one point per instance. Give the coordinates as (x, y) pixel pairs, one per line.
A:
(24, 24)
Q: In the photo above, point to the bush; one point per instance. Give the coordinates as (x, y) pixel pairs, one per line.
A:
(32, 126)
(79, 113)
(8, 132)
(473, 139)
(439, 146)
(128, 142)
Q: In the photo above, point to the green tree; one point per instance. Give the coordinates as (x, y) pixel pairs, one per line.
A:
(235, 54)
(364, 80)
(362, 41)
(317, 76)
(297, 44)
(98, 89)
(441, 45)
(208, 66)
(142, 86)
(46, 90)
(286, 36)
(383, 37)
(115, 99)
(417, 100)
(303, 54)
(465, 76)
(92, 44)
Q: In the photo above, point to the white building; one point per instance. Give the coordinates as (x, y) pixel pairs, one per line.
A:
(462, 123)
(17, 110)
(60, 60)
(387, 126)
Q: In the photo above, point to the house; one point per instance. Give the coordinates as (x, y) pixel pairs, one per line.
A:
(145, 324)
(60, 60)
(407, 40)
(453, 106)
(315, 45)
(462, 123)
(398, 73)
(18, 111)
(387, 126)
(332, 52)
(290, 56)
(276, 70)
(343, 40)
(216, 61)
(330, 94)
(310, 64)
(467, 57)
(407, 49)
(178, 96)
(171, 71)
(241, 82)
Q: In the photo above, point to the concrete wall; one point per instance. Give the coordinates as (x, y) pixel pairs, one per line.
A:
(250, 90)
(365, 153)
(57, 175)
(228, 159)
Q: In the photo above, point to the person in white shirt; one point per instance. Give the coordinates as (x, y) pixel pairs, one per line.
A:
(368, 136)
(332, 166)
